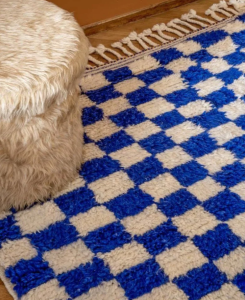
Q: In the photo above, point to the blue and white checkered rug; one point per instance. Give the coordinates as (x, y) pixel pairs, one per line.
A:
(159, 210)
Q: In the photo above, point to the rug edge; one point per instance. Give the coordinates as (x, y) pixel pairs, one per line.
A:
(142, 39)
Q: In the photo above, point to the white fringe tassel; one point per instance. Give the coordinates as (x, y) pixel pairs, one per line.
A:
(120, 47)
(216, 7)
(174, 23)
(164, 27)
(159, 28)
(225, 6)
(184, 23)
(162, 33)
(193, 14)
(127, 41)
(237, 4)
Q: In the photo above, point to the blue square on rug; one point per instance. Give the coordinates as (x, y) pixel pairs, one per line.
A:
(87, 276)
(169, 119)
(189, 173)
(182, 97)
(152, 76)
(141, 96)
(237, 146)
(77, 201)
(129, 204)
(103, 94)
(201, 281)
(200, 145)
(217, 242)
(115, 142)
(177, 203)
(226, 205)
(98, 168)
(163, 237)
(231, 175)
(29, 274)
(128, 117)
(118, 75)
(107, 238)
(54, 237)
(142, 279)
(209, 38)
(8, 229)
(146, 170)
(239, 280)
(157, 143)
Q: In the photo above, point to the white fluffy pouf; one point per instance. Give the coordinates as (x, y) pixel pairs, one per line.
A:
(43, 53)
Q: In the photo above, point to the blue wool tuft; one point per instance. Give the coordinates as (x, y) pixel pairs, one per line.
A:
(226, 205)
(91, 115)
(239, 38)
(182, 97)
(8, 229)
(210, 119)
(195, 74)
(166, 56)
(103, 94)
(230, 75)
(216, 243)
(128, 117)
(101, 167)
(77, 201)
(235, 58)
(161, 238)
(107, 238)
(157, 143)
(169, 119)
(189, 173)
(29, 274)
(199, 145)
(129, 204)
(178, 203)
(141, 96)
(115, 142)
(201, 56)
(221, 97)
(239, 280)
(241, 121)
(48, 239)
(201, 281)
(87, 140)
(118, 75)
(237, 146)
(208, 38)
(142, 279)
(152, 76)
(80, 280)
(231, 174)
(145, 170)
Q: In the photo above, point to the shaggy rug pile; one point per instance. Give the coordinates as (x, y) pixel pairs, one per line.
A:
(159, 210)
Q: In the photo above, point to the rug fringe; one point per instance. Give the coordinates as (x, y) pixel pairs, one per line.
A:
(153, 37)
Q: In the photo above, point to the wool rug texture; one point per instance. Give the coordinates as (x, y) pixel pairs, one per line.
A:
(158, 212)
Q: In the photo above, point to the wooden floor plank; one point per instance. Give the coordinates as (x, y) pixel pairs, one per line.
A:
(115, 34)
(134, 16)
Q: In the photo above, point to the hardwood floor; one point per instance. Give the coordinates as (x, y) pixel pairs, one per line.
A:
(115, 34)
(134, 16)
(4, 295)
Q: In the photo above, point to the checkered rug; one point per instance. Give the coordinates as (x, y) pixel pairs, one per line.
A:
(159, 210)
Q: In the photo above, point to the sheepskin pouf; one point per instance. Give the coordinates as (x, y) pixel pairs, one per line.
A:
(43, 53)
